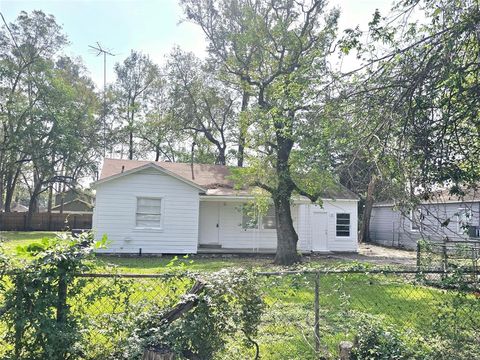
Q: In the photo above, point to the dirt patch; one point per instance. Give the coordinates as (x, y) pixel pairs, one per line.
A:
(380, 255)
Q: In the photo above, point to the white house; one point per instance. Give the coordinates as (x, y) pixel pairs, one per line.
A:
(165, 207)
(443, 217)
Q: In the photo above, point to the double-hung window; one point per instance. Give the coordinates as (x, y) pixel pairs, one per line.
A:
(416, 219)
(343, 225)
(149, 213)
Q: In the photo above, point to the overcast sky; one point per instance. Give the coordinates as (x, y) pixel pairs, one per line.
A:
(151, 26)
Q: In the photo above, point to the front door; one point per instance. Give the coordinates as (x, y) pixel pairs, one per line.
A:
(319, 231)
(209, 223)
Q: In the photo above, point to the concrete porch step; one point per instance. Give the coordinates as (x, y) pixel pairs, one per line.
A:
(220, 250)
(210, 246)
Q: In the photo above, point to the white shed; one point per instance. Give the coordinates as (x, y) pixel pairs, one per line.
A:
(164, 207)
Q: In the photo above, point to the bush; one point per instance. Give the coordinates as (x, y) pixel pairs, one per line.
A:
(229, 305)
(40, 323)
(377, 341)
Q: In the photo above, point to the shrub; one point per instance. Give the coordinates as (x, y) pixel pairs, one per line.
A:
(40, 323)
(377, 341)
(229, 305)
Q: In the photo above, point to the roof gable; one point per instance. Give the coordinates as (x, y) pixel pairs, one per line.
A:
(148, 165)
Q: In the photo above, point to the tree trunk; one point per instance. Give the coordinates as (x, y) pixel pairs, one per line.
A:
(130, 133)
(367, 211)
(11, 183)
(1, 191)
(221, 159)
(241, 151)
(49, 206)
(161, 354)
(31, 209)
(33, 203)
(242, 129)
(130, 145)
(287, 237)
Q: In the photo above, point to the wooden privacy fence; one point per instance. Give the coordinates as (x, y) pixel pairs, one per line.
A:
(45, 221)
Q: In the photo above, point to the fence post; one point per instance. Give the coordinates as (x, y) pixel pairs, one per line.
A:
(62, 294)
(419, 259)
(445, 256)
(474, 266)
(19, 322)
(317, 312)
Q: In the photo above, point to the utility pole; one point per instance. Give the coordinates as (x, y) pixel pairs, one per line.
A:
(99, 50)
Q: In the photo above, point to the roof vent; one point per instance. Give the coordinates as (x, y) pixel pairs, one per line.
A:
(123, 168)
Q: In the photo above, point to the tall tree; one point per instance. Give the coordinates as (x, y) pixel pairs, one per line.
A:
(231, 53)
(161, 133)
(132, 87)
(288, 76)
(25, 49)
(423, 79)
(66, 143)
(204, 105)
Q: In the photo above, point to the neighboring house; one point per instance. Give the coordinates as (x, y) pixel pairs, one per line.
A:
(17, 207)
(443, 218)
(73, 201)
(164, 207)
(76, 206)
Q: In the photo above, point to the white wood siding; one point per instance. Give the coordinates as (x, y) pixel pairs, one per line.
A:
(231, 235)
(115, 208)
(332, 207)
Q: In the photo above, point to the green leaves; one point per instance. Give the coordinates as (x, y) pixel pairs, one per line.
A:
(41, 323)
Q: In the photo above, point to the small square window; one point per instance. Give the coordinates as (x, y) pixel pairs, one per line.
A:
(343, 225)
(149, 212)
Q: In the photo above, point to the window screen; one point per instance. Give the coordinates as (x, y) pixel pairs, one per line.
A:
(149, 212)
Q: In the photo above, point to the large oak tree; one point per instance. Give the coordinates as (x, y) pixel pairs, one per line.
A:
(279, 50)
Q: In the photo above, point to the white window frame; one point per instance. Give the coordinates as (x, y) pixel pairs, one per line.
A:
(469, 219)
(349, 225)
(162, 212)
(412, 220)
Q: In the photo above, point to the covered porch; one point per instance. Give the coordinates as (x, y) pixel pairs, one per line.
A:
(225, 228)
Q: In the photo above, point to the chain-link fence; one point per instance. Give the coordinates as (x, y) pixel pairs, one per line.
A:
(448, 255)
(306, 314)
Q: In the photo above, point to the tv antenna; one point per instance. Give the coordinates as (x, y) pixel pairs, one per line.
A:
(100, 50)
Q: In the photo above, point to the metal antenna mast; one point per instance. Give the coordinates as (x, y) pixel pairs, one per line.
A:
(99, 50)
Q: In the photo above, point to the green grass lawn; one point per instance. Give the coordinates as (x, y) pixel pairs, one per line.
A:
(156, 264)
(12, 239)
(287, 326)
